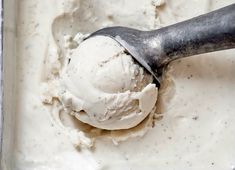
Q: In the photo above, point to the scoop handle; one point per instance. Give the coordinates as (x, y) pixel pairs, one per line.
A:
(213, 31)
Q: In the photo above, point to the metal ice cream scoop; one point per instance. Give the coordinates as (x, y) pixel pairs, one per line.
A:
(154, 49)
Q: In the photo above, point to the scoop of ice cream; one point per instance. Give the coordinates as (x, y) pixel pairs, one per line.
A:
(104, 87)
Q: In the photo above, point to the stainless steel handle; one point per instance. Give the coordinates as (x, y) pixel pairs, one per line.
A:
(206, 33)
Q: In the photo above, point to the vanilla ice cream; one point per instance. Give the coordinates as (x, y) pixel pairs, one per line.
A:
(196, 102)
(105, 87)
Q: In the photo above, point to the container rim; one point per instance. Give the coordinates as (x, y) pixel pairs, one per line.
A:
(1, 78)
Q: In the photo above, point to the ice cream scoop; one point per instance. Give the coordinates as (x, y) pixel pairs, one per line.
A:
(154, 49)
(104, 87)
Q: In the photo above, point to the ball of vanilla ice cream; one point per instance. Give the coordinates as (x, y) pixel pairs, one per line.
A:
(104, 87)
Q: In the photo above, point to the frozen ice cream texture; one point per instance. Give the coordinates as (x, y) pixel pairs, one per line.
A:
(104, 87)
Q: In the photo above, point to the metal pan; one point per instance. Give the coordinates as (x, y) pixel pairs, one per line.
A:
(7, 83)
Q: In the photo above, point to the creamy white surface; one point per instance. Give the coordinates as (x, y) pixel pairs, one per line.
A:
(197, 128)
(104, 87)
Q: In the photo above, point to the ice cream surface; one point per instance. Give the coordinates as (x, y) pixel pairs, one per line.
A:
(105, 87)
(197, 105)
